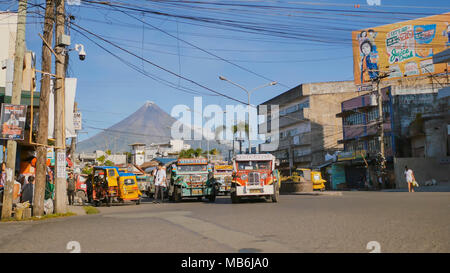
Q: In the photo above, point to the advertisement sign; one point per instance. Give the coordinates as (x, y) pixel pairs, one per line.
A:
(403, 49)
(13, 119)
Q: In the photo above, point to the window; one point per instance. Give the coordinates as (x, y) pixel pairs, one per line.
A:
(128, 182)
(253, 165)
(374, 145)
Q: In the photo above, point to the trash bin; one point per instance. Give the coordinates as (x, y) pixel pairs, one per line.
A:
(18, 215)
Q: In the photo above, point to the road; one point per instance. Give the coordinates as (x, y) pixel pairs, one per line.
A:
(398, 221)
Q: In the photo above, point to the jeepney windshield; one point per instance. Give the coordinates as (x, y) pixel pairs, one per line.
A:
(223, 171)
(192, 168)
(253, 165)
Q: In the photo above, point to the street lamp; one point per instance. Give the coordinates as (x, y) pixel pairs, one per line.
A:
(248, 103)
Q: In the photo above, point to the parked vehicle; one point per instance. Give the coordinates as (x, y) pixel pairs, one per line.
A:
(223, 175)
(81, 188)
(254, 175)
(189, 177)
(110, 185)
(303, 174)
(145, 184)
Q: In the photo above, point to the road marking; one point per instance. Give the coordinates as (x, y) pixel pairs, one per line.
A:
(234, 239)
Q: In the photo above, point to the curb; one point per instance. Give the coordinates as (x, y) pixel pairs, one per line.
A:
(330, 193)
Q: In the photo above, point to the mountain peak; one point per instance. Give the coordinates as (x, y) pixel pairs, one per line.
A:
(148, 103)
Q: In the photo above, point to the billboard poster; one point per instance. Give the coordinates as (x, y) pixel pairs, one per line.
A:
(12, 120)
(403, 49)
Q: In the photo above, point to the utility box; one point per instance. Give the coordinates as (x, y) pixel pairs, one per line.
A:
(64, 40)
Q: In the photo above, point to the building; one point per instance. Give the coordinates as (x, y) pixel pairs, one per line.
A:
(415, 125)
(141, 153)
(8, 28)
(138, 153)
(92, 158)
(308, 126)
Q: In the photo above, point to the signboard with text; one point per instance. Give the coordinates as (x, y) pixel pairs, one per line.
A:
(403, 49)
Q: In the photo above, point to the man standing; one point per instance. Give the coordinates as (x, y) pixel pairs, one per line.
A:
(28, 191)
(160, 182)
(409, 175)
(71, 188)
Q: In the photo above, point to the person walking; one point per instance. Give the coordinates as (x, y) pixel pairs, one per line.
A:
(160, 183)
(71, 189)
(409, 175)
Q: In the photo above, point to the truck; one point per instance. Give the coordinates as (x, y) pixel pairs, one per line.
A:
(312, 176)
(223, 174)
(254, 175)
(190, 178)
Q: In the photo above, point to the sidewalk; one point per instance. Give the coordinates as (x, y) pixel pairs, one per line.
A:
(316, 193)
(440, 187)
(79, 210)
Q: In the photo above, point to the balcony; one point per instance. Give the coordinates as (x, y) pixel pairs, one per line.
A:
(303, 158)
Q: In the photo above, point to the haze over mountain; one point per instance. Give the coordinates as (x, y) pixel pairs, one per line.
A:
(149, 124)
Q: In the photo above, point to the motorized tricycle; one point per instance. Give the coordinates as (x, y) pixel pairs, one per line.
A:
(110, 185)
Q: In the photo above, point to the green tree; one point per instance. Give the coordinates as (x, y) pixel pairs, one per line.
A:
(101, 160)
(109, 163)
(87, 170)
(198, 152)
(108, 152)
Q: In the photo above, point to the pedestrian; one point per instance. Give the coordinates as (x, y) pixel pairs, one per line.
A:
(3, 175)
(16, 189)
(28, 191)
(160, 183)
(409, 175)
(71, 188)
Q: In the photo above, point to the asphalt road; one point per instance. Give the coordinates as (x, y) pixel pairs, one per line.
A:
(398, 221)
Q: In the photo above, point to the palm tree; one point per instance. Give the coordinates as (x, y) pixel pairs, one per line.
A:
(198, 152)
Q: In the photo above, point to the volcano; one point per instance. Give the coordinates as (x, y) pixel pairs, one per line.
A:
(149, 124)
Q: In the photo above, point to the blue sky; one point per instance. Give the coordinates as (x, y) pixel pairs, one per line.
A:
(108, 91)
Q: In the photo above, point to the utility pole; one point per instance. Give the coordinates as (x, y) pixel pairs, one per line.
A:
(42, 137)
(60, 168)
(16, 96)
(381, 121)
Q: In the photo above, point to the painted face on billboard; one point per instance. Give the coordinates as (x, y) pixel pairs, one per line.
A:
(366, 48)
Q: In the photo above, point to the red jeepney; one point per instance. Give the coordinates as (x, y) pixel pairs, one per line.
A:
(254, 175)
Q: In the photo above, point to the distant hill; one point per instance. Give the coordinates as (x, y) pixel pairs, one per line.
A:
(149, 124)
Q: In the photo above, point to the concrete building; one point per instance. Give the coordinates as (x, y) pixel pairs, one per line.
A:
(416, 118)
(142, 153)
(138, 153)
(308, 126)
(92, 158)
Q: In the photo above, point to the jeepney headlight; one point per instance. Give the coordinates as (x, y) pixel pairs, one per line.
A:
(264, 176)
(244, 177)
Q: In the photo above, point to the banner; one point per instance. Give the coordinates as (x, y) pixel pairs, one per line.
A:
(13, 119)
(403, 49)
(70, 92)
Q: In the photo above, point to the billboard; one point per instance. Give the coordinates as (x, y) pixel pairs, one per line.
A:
(403, 49)
(12, 120)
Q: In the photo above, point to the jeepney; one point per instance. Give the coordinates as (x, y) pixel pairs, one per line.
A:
(254, 175)
(145, 184)
(189, 178)
(223, 175)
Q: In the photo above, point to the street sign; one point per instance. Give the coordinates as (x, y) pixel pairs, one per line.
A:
(77, 123)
